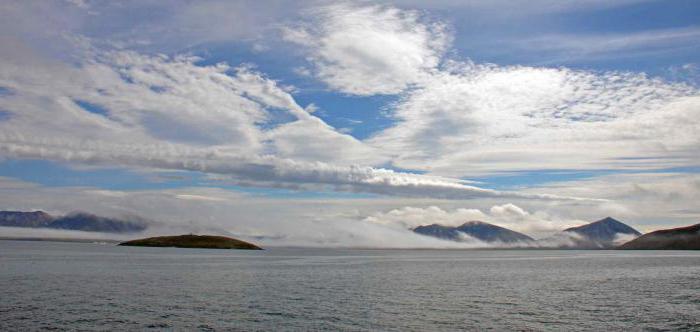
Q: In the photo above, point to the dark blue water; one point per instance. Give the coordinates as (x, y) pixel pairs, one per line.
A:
(74, 286)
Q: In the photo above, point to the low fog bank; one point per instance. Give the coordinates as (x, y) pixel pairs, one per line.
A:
(153, 228)
(56, 234)
(334, 234)
(270, 222)
(337, 233)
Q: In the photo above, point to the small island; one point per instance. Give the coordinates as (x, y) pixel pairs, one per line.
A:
(192, 241)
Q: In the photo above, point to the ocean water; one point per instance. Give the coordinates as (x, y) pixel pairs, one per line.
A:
(82, 286)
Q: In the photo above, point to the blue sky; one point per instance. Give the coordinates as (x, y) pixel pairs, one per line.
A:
(399, 104)
(604, 23)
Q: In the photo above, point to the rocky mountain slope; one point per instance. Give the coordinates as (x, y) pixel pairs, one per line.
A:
(477, 229)
(682, 238)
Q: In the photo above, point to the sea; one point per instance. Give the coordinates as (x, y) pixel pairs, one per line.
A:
(103, 287)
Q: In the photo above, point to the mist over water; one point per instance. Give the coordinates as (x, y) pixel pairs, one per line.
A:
(105, 287)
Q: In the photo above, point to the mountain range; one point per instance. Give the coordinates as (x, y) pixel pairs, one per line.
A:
(34, 219)
(77, 221)
(607, 233)
(601, 234)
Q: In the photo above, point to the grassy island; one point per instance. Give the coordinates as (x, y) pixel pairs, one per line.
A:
(192, 241)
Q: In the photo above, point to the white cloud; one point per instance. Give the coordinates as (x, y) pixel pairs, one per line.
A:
(411, 217)
(310, 140)
(621, 238)
(44, 233)
(458, 118)
(192, 197)
(263, 171)
(169, 113)
(508, 210)
(480, 119)
(140, 99)
(366, 50)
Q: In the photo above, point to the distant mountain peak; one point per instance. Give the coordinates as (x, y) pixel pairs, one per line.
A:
(603, 232)
(608, 220)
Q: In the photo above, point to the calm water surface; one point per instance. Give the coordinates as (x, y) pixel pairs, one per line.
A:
(80, 286)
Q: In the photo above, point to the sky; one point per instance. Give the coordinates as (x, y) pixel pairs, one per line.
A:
(347, 123)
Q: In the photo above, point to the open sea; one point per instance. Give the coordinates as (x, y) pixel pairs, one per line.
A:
(83, 286)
